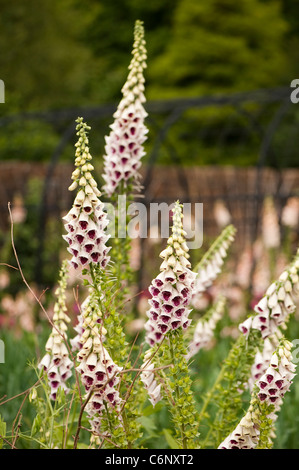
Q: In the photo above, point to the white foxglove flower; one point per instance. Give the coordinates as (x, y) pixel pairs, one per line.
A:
(124, 145)
(97, 370)
(90, 329)
(290, 213)
(148, 379)
(221, 214)
(269, 390)
(101, 374)
(270, 225)
(204, 330)
(171, 290)
(245, 436)
(211, 264)
(86, 221)
(79, 328)
(57, 363)
(279, 301)
(277, 379)
(262, 359)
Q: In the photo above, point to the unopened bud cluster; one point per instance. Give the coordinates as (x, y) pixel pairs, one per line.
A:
(124, 145)
(86, 221)
(56, 363)
(91, 332)
(171, 290)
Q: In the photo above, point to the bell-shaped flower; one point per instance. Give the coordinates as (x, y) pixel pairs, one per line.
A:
(100, 374)
(245, 435)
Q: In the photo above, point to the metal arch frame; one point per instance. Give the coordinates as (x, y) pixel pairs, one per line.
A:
(172, 111)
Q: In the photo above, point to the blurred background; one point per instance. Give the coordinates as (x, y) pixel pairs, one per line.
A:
(222, 131)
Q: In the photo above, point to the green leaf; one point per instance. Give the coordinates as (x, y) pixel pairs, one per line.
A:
(148, 424)
(36, 425)
(170, 440)
(149, 410)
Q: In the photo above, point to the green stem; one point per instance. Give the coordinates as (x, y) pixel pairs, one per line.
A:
(226, 394)
(209, 395)
(178, 398)
(183, 410)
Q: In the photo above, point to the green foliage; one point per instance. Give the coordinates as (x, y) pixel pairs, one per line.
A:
(30, 141)
(177, 390)
(44, 62)
(2, 431)
(16, 377)
(215, 46)
(110, 45)
(226, 396)
(109, 306)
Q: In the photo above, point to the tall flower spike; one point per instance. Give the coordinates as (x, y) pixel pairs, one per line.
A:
(266, 400)
(56, 363)
(204, 329)
(124, 145)
(211, 264)
(275, 307)
(86, 221)
(171, 290)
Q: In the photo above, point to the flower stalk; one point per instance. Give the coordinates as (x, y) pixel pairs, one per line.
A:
(124, 145)
(122, 160)
(86, 221)
(168, 317)
(171, 290)
(184, 411)
(226, 394)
